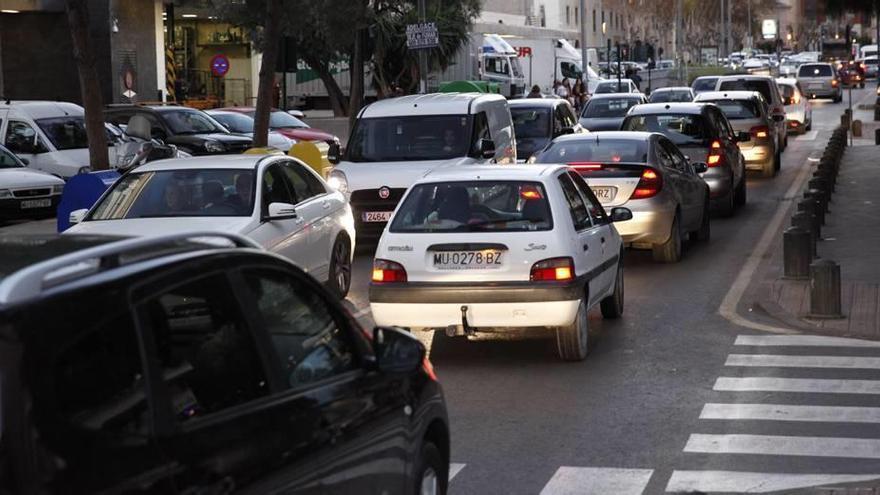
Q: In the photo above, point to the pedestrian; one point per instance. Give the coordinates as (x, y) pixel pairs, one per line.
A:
(535, 92)
(577, 93)
(563, 90)
(637, 79)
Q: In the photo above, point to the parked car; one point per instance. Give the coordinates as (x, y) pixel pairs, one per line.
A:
(288, 125)
(465, 239)
(765, 85)
(243, 124)
(605, 112)
(870, 65)
(24, 192)
(819, 80)
(193, 131)
(228, 363)
(675, 94)
(703, 134)
(798, 109)
(646, 173)
(704, 83)
(49, 135)
(852, 74)
(756, 66)
(537, 121)
(616, 86)
(275, 200)
(395, 141)
(748, 115)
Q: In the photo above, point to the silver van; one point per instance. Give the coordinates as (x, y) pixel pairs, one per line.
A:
(819, 81)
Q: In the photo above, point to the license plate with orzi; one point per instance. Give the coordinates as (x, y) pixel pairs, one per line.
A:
(467, 260)
(604, 194)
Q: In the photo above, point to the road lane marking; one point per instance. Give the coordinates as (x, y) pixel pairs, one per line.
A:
(782, 361)
(784, 412)
(592, 480)
(809, 136)
(747, 482)
(802, 341)
(796, 385)
(859, 448)
(455, 468)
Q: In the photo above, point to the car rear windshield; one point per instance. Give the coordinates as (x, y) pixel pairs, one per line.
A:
(65, 133)
(671, 96)
(608, 108)
(531, 122)
(416, 138)
(820, 70)
(759, 85)
(707, 84)
(612, 87)
(596, 150)
(738, 109)
(236, 122)
(681, 129)
(479, 206)
(179, 193)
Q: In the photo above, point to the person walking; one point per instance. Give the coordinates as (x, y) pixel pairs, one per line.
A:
(535, 92)
(577, 94)
(563, 90)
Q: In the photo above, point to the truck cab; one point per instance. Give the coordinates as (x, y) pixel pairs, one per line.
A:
(499, 63)
(396, 141)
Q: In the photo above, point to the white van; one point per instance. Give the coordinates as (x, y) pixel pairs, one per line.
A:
(48, 136)
(396, 141)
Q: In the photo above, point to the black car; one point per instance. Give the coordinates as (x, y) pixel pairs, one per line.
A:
(605, 112)
(173, 365)
(537, 121)
(191, 130)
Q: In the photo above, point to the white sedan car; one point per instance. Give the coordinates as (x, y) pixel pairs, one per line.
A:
(275, 200)
(486, 247)
(25, 192)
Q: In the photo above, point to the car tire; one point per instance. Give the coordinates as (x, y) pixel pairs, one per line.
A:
(572, 341)
(669, 251)
(704, 233)
(340, 267)
(612, 306)
(728, 207)
(741, 195)
(431, 471)
(809, 126)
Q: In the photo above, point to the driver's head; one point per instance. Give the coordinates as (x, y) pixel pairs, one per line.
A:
(174, 198)
(449, 137)
(243, 186)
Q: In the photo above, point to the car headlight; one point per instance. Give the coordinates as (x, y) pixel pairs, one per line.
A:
(338, 181)
(5, 194)
(84, 170)
(58, 189)
(214, 147)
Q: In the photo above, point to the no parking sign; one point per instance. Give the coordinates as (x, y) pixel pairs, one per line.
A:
(219, 65)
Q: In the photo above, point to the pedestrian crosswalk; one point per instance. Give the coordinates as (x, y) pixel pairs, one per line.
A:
(807, 407)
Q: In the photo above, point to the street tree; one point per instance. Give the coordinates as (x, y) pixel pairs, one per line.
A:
(89, 83)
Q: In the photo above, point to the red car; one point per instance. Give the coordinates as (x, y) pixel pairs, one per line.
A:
(288, 125)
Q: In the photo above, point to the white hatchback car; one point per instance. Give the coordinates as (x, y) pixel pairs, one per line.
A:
(488, 247)
(292, 212)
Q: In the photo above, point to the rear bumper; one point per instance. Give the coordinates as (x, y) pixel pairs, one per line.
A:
(757, 157)
(647, 226)
(823, 93)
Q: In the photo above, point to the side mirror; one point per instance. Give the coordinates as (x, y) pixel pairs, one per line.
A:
(334, 154)
(280, 211)
(778, 117)
(700, 167)
(621, 214)
(397, 351)
(487, 148)
(743, 136)
(77, 216)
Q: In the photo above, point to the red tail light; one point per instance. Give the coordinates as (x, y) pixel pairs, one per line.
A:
(385, 272)
(834, 82)
(649, 184)
(715, 157)
(553, 270)
(760, 132)
(579, 166)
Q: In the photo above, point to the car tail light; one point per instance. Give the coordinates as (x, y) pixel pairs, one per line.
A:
(834, 83)
(553, 270)
(385, 271)
(530, 192)
(760, 132)
(715, 157)
(649, 184)
(796, 98)
(582, 166)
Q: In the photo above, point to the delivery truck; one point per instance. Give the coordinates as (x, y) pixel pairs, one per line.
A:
(488, 57)
(545, 60)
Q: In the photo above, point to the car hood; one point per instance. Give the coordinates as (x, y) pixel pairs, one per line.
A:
(604, 124)
(15, 178)
(526, 147)
(305, 134)
(373, 175)
(161, 226)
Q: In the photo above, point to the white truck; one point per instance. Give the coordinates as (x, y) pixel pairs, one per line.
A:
(488, 57)
(545, 60)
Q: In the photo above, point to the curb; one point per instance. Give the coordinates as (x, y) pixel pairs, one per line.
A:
(764, 302)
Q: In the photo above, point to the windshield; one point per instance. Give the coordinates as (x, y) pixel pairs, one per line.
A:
(612, 87)
(65, 133)
(516, 66)
(815, 71)
(681, 129)
(531, 122)
(395, 139)
(9, 160)
(283, 120)
(608, 108)
(179, 193)
(190, 122)
(474, 207)
(596, 150)
(235, 122)
(737, 109)
(671, 96)
(761, 86)
(707, 84)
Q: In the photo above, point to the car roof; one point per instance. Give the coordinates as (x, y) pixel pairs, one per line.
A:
(750, 77)
(535, 102)
(614, 81)
(670, 107)
(20, 251)
(599, 96)
(489, 172)
(706, 77)
(600, 135)
(45, 109)
(151, 108)
(207, 162)
(787, 80)
(672, 88)
(429, 104)
(727, 95)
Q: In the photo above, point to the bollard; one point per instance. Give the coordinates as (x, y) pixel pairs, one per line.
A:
(844, 120)
(825, 289)
(804, 222)
(857, 128)
(797, 253)
(810, 207)
(818, 204)
(877, 110)
(876, 136)
(818, 183)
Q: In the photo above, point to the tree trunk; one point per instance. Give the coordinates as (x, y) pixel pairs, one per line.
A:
(334, 93)
(90, 84)
(356, 98)
(272, 37)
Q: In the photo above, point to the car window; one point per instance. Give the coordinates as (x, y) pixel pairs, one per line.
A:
(738, 109)
(705, 84)
(679, 162)
(681, 129)
(580, 216)
(20, 137)
(603, 108)
(594, 207)
(760, 85)
(205, 349)
(663, 156)
(65, 133)
(309, 344)
(99, 381)
(592, 149)
(531, 122)
(820, 70)
(191, 122)
(724, 123)
(9, 160)
(481, 131)
(568, 114)
(409, 138)
(275, 187)
(305, 185)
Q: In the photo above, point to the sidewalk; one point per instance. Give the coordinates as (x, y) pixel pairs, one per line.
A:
(852, 239)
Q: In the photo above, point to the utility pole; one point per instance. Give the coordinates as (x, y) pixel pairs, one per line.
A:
(721, 30)
(729, 25)
(584, 61)
(749, 9)
(423, 55)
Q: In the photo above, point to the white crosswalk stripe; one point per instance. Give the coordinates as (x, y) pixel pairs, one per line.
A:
(778, 361)
(595, 480)
(783, 445)
(806, 385)
(455, 468)
(784, 412)
(749, 482)
(803, 341)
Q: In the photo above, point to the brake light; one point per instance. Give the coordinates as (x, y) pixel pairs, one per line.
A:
(585, 165)
(796, 98)
(715, 156)
(760, 132)
(553, 270)
(385, 271)
(530, 192)
(834, 82)
(649, 184)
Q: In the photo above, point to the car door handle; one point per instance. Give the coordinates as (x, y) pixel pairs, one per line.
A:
(586, 247)
(325, 205)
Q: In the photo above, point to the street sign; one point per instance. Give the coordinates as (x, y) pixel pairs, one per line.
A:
(768, 29)
(219, 65)
(422, 35)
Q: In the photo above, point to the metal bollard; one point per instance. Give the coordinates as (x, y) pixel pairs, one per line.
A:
(818, 205)
(797, 253)
(844, 120)
(805, 222)
(820, 196)
(825, 289)
(857, 128)
(810, 208)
